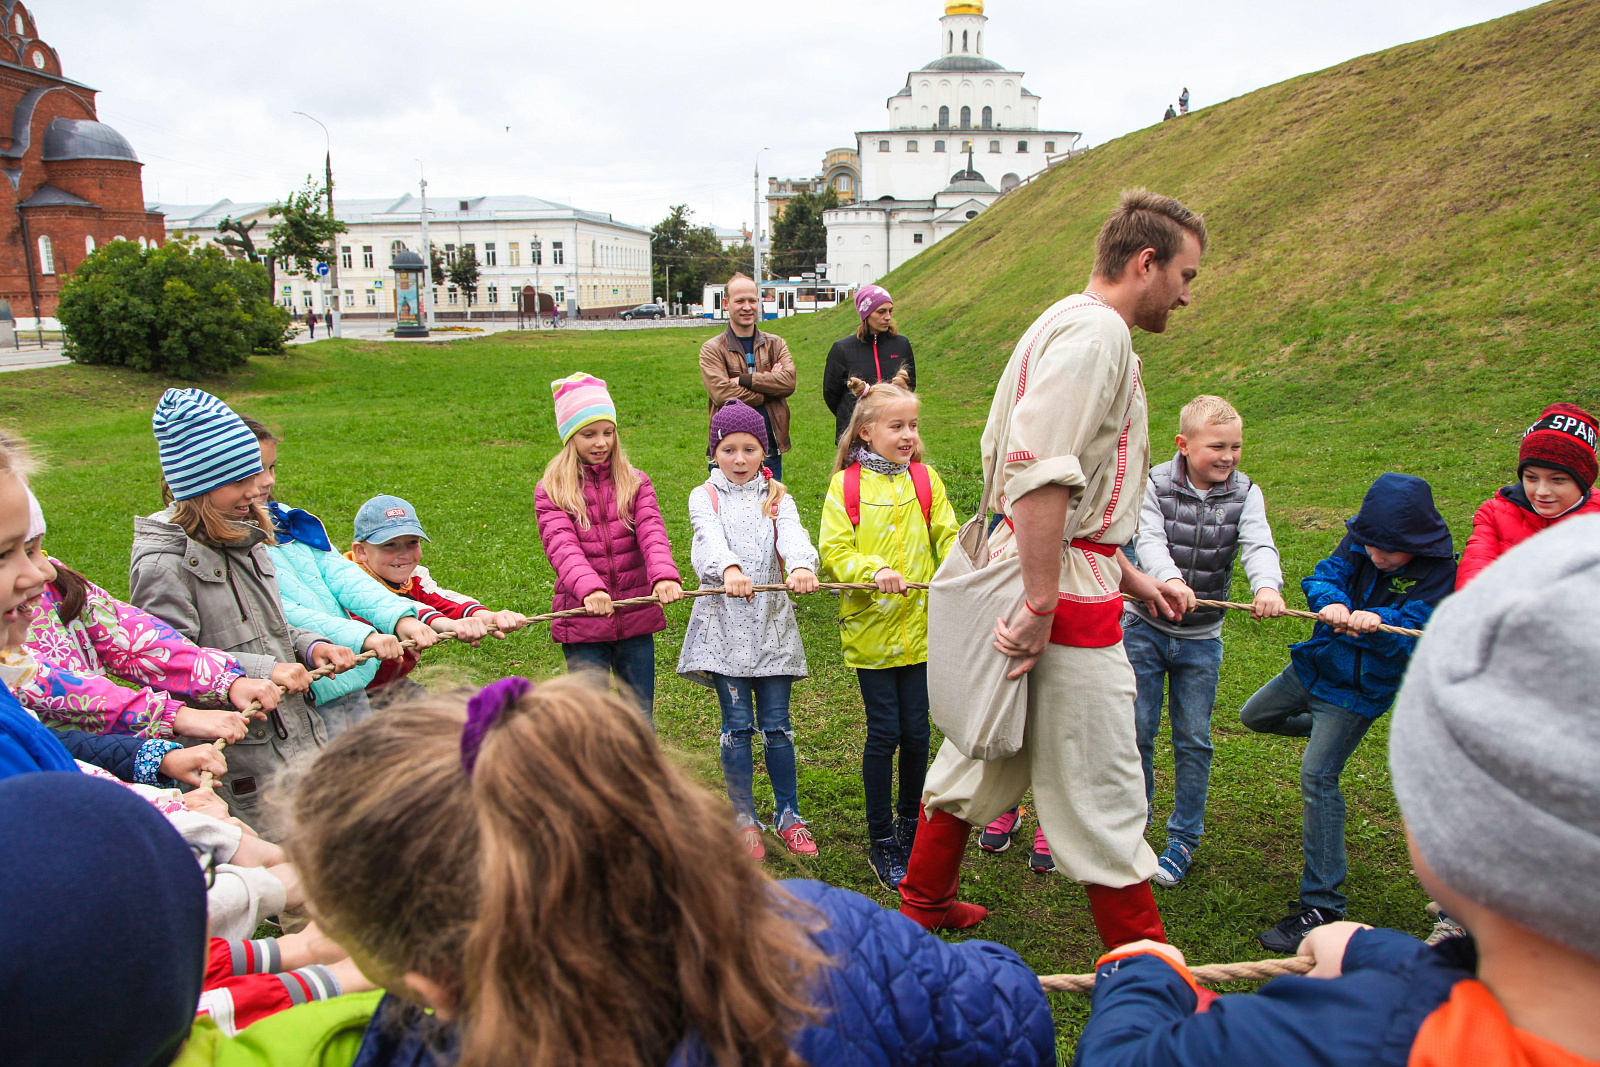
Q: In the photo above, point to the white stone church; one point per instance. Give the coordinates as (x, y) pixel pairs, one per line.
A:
(962, 131)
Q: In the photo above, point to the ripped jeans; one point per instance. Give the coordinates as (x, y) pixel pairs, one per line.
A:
(747, 702)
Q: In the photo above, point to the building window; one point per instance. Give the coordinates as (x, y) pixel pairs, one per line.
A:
(489, 257)
(1022, 146)
(366, 257)
(450, 258)
(535, 254)
(966, 118)
(938, 146)
(514, 251)
(972, 215)
(349, 299)
(964, 40)
(372, 298)
(345, 259)
(944, 118)
(395, 248)
(988, 118)
(450, 294)
(911, 146)
(558, 255)
(494, 294)
(994, 146)
(916, 238)
(88, 244)
(47, 255)
(561, 294)
(466, 205)
(1049, 146)
(305, 297)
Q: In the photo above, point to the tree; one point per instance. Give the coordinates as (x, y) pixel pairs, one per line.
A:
(436, 264)
(464, 273)
(800, 239)
(237, 240)
(306, 233)
(181, 309)
(694, 253)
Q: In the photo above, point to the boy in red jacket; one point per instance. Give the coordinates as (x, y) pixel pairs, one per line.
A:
(388, 546)
(1556, 471)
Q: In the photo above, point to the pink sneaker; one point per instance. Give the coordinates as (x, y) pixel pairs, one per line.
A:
(752, 841)
(1041, 862)
(996, 837)
(798, 839)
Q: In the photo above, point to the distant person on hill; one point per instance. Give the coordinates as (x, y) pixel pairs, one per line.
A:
(1555, 471)
(1393, 567)
(1183, 101)
(874, 353)
(1171, 114)
(1492, 753)
(742, 363)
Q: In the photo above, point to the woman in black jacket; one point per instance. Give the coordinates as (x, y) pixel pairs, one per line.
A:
(875, 354)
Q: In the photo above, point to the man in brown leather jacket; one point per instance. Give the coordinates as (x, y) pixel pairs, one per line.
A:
(742, 363)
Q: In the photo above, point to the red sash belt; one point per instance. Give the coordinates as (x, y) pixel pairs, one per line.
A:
(1092, 625)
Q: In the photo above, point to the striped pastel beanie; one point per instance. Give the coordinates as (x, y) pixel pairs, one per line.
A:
(580, 400)
(203, 444)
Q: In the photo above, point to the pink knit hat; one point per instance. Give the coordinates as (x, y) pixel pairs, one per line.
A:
(36, 526)
(870, 298)
(581, 399)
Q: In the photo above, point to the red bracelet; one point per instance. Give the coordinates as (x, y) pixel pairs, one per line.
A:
(1029, 606)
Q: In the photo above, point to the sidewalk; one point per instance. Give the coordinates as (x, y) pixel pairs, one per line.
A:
(378, 329)
(29, 357)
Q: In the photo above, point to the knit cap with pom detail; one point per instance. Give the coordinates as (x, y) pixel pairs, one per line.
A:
(735, 416)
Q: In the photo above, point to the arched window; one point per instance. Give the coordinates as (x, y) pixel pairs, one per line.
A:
(966, 118)
(395, 248)
(951, 48)
(47, 255)
(88, 244)
(988, 118)
(944, 118)
(963, 40)
(980, 42)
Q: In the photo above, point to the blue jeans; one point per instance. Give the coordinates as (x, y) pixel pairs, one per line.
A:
(1284, 707)
(633, 661)
(747, 703)
(341, 713)
(1187, 668)
(896, 702)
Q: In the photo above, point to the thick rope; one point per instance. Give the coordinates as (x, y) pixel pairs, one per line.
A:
(1208, 974)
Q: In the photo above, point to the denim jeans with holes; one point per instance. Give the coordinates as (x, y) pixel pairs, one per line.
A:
(1187, 669)
(750, 705)
(1284, 707)
(633, 661)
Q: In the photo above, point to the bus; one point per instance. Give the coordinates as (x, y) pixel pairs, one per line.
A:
(780, 300)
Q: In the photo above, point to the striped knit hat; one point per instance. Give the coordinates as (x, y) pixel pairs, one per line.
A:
(581, 399)
(203, 444)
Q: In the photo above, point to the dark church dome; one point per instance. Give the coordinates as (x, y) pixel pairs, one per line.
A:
(82, 139)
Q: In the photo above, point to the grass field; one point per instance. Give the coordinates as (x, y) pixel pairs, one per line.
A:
(1405, 252)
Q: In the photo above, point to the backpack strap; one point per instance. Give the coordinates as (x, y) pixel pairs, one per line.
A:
(712, 493)
(852, 493)
(924, 487)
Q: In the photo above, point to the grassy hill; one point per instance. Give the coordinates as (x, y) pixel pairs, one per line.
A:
(1403, 269)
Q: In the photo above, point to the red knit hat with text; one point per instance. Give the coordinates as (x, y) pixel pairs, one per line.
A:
(1563, 438)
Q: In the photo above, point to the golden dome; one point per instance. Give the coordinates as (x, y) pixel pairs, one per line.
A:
(963, 7)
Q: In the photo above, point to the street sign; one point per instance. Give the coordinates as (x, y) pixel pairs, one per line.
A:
(322, 270)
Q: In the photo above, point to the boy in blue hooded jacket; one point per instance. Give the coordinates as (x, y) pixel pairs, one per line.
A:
(1395, 564)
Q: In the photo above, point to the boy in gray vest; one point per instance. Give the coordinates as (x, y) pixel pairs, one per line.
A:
(1200, 514)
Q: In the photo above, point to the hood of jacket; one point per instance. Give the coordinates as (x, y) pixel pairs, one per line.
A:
(1398, 515)
(155, 535)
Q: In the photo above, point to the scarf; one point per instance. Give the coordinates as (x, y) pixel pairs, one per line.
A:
(397, 590)
(874, 462)
(294, 524)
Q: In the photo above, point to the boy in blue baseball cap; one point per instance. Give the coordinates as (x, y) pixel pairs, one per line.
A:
(388, 546)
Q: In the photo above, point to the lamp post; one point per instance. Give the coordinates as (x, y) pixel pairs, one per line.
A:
(755, 227)
(536, 253)
(333, 241)
(427, 251)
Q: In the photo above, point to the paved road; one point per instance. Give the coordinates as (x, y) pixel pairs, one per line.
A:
(30, 358)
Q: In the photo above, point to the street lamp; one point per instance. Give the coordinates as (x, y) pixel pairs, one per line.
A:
(536, 253)
(333, 241)
(755, 229)
(427, 250)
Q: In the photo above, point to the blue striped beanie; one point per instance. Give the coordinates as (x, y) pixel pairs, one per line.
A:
(203, 444)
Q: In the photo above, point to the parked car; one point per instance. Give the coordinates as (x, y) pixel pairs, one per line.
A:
(646, 311)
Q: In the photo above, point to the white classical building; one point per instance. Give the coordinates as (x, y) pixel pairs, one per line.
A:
(963, 130)
(585, 260)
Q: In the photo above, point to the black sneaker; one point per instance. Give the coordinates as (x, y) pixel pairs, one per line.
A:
(1039, 860)
(1285, 937)
(905, 832)
(888, 862)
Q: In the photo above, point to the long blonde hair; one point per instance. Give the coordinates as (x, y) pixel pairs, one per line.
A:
(871, 400)
(562, 482)
(206, 523)
(578, 897)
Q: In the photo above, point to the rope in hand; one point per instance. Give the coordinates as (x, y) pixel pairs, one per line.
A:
(1208, 974)
(638, 601)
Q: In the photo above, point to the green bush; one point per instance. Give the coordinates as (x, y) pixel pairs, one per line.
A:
(180, 309)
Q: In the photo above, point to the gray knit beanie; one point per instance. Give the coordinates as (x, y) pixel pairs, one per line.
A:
(1495, 746)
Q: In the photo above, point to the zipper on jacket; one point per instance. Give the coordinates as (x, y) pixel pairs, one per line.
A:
(611, 560)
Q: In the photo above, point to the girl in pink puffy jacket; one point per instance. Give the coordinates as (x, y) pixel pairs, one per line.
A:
(602, 531)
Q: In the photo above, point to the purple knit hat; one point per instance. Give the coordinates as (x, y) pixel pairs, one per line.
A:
(870, 298)
(735, 416)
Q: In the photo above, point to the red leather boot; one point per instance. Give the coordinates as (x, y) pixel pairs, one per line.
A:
(928, 891)
(1126, 914)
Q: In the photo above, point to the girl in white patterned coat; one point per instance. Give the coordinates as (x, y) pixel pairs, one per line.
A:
(746, 646)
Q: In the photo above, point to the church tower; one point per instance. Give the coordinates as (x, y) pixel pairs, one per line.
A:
(961, 29)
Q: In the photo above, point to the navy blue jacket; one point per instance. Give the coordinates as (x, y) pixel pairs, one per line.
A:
(1144, 1012)
(26, 745)
(116, 753)
(898, 997)
(1362, 672)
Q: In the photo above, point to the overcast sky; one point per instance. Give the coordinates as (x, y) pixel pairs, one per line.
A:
(627, 106)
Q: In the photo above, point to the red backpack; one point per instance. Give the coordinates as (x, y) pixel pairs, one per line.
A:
(919, 480)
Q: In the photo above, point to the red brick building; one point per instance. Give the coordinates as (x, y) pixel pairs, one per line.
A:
(72, 182)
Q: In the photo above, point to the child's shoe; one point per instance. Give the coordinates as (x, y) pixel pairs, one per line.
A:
(798, 839)
(1173, 865)
(1285, 937)
(905, 832)
(752, 842)
(996, 837)
(888, 862)
(1040, 861)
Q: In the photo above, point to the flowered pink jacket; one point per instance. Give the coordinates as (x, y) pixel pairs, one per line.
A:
(71, 687)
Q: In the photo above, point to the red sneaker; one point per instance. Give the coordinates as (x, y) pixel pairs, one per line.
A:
(752, 841)
(798, 840)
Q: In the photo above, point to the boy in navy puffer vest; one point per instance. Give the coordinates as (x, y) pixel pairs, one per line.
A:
(1201, 513)
(1393, 567)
